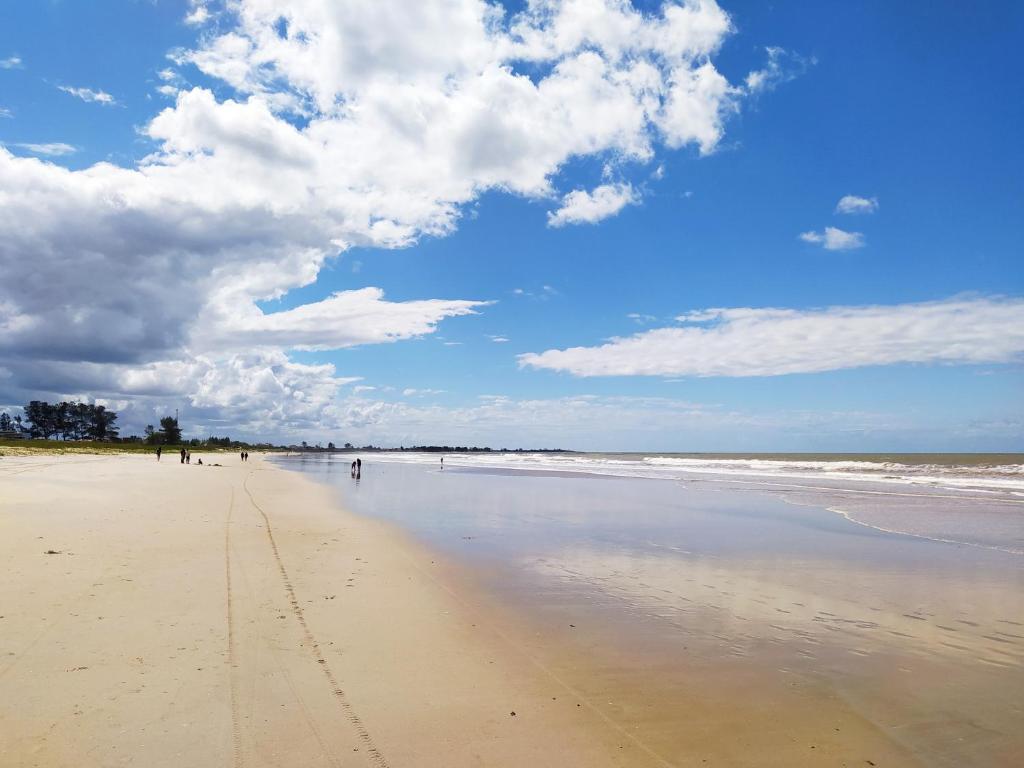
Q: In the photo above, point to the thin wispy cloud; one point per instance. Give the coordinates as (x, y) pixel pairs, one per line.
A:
(414, 392)
(543, 293)
(852, 204)
(739, 342)
(834, 239)
(4, 112)
(53, 149)
(11, 62)
(782, 66)
(641, 319)
(90, 95)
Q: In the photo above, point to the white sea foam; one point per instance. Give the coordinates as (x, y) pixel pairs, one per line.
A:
(1005, 479)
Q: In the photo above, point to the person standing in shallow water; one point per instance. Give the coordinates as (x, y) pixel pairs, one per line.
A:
(359, 466)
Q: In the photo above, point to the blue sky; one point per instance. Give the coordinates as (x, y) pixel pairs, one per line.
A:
(913, 109)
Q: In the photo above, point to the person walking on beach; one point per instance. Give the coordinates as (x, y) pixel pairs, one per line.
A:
(182, 455)
(442, 462)
(188, 457)
(158, 450)
(242, 455)
(359, 466)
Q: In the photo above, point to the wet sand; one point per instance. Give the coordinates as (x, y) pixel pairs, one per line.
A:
(731, 625)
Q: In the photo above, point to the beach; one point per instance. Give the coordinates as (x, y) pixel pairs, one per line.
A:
(162, 615)
(169, 615)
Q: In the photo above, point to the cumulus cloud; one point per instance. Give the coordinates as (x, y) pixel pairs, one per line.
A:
(88, 94)
(775, 342)
(583, 207)
(854, 204)
(53, 149)
(198, 13)
(335, 124)
(834, 239)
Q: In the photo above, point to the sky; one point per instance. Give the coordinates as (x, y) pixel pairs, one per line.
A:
(587, 224)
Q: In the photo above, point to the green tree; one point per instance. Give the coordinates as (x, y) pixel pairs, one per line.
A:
(101, 423)
(170, 429)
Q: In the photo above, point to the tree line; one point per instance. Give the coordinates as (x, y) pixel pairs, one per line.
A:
(63, 421)
(87, 421)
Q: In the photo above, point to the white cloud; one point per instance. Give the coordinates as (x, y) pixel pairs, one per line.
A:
(582, 207)
(172, 83)
(854, 204)
(499, 339)
(404, 119)
(198, 13)
(53, 149)
(782, 66)
(412, 392)
(88, 94)
(345, 319)
(640, 318)
(4, 112)
(833, 239)
(774, 342)
(11, 62)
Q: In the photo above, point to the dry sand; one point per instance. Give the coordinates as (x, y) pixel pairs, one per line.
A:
(156, 614)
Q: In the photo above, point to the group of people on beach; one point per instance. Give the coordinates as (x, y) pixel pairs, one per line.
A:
(186, 456)
(357, 468)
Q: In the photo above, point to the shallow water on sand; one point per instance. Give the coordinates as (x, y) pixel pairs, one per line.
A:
(922, 637)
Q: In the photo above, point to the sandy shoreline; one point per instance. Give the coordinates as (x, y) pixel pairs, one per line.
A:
(174, 627)
(236, 616)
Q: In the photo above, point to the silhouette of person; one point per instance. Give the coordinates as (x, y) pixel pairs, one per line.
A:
(359, 466)
(182, 455)
(188, 457)
(158, 450)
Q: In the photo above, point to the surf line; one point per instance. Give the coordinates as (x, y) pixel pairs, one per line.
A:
(866, 491)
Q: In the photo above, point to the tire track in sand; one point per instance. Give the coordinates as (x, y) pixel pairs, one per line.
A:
(376, 758)
(236, 718)
(245, 714)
